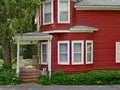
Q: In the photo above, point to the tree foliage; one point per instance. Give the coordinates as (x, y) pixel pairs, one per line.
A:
(16, 16)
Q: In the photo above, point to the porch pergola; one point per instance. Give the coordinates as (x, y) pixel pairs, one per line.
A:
(32, 38)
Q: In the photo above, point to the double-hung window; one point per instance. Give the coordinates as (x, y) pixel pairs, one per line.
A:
(63, 52)
(117, 52)
(48, 12)
(63, 11)
(89, 52)
(44, 53)
(77, 52)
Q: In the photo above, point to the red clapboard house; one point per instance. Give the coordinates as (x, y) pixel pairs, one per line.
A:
(77, 35)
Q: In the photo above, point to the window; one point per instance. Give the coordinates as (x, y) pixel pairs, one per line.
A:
(44, 53)
(48, 12)
(63, 52)
(117, 52)
(77, 52)
(63, 11)
(89, 52)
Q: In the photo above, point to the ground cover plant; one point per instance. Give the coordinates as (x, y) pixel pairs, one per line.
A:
(95, 77)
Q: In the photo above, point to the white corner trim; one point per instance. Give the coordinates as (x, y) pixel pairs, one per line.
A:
(56, 31)
(97, 7)
(68, 53)
(89, 41)
(82, 52)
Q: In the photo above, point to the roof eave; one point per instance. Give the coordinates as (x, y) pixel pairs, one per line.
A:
(97, 7)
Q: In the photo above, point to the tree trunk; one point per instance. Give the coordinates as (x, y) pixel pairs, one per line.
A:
(7, 54)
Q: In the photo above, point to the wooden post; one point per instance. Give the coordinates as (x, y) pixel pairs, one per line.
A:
(18, 57)
(49, 57)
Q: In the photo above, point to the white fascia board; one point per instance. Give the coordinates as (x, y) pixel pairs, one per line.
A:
(33, 37)
(97, 7)
(56, 31)
(83, 30)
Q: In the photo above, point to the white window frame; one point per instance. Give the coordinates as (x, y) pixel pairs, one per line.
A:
(48, 1)
(68, 48)
(68, 12)
(44, 43)
(82, 56)
(89, 41)
(117, 61)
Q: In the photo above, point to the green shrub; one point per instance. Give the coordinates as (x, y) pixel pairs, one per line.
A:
(57, 77)
(8, 77)
(96, 77)
(44, 80)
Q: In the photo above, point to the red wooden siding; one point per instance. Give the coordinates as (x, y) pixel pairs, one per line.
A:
(56, 25)
(69, 68)
(108, 23)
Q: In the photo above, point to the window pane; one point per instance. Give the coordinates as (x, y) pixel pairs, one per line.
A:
(77, 47)
(118, 56)
(63, 47)
(77, 57)
(88, 57)
(47, 8)
(63, 16)
(63, 58)
(44, 58)
(47, 12)
(63, 5)
(44, 48)
(47, 17)
(118, 46)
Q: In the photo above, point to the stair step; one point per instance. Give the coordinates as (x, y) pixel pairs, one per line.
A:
(29, 80)
(27, 76)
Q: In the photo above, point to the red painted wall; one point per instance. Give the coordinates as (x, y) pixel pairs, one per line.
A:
(56, 25)
(108, 23)
(71, 36)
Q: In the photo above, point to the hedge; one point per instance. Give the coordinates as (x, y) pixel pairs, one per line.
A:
(95, 77)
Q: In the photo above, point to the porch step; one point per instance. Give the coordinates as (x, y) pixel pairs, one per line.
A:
(29, 75)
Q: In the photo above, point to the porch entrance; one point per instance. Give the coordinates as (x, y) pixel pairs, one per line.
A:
(30, 65)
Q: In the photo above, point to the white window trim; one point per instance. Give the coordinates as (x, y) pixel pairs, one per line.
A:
(89, 41)
(117, 61)
(82, 60)
(68, 48)
(68, 12)
(51, 12)
(41, 52)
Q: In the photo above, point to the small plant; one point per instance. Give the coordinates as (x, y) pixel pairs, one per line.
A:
(44, 80)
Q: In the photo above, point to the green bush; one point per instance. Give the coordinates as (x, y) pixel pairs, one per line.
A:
(8, 77)
(44, 80)
(57, 77)
(96, 77)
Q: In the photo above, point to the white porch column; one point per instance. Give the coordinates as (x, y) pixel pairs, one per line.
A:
(49, 57)
(18, 55)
